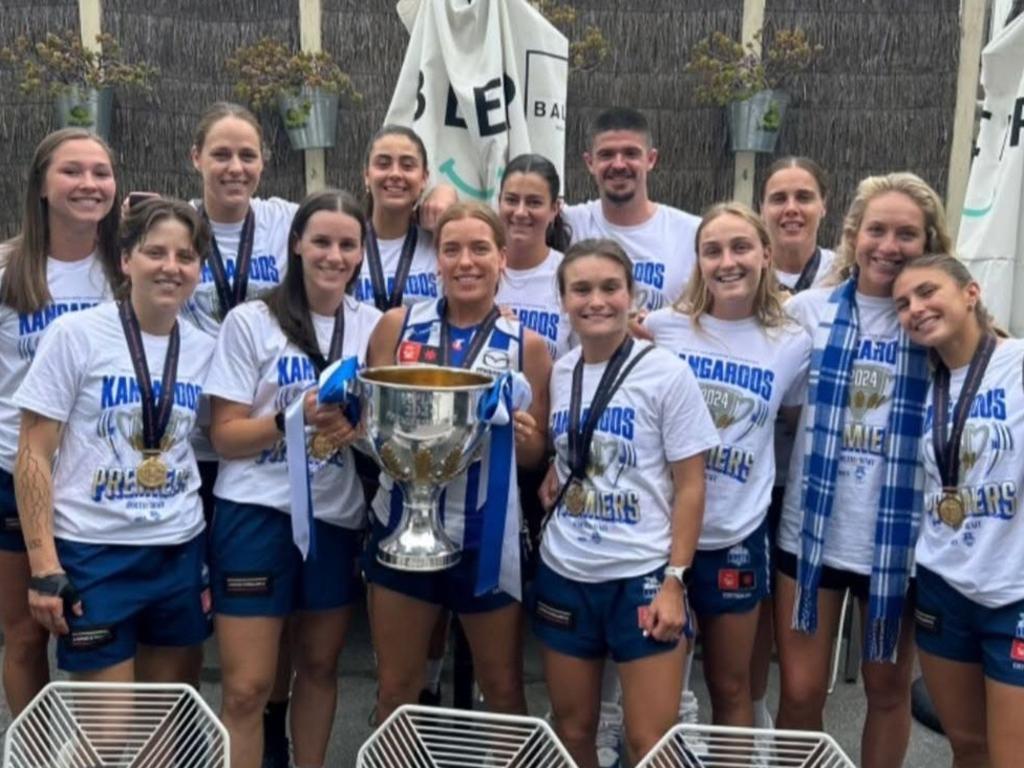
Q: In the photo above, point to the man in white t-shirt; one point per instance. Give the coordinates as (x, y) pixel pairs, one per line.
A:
(658, 238)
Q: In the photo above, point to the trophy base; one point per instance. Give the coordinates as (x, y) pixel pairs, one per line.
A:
(418, 549)
(404, 561)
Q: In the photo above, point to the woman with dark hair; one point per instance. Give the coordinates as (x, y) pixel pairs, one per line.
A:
(269, 353)
(970, 586)
(400, 265)
(626, 494)
(464, 329)
(537, 237)
(64, 259)
(106, 476)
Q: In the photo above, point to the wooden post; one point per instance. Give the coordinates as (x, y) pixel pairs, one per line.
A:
(743, 162)
(310, 39)
(90, 22)
(972, 28)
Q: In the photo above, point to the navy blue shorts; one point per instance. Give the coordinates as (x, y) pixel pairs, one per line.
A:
(954, 627)
(834, 579)
(733, 579)
(11, 539)
(451, 588)
(257, 570)
(154, 595)
(593, 620)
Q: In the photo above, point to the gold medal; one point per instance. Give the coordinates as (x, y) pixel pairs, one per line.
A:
(951, 510)
(151, 474)
(321, 447)
(575, 498)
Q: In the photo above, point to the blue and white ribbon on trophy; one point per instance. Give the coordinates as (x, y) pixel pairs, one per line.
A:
(335, 387)
(499, 564)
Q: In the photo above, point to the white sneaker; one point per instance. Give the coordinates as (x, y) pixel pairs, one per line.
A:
(763, 745)
(609, 736)
(689, 714)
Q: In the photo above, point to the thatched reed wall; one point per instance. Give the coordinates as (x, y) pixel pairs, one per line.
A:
(881, 97)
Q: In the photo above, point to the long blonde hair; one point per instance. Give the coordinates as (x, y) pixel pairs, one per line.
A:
(697, 300)
(937, 237)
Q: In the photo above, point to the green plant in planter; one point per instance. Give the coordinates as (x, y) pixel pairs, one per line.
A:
(268, 68)
(586, 52)
(771, 120)
(59, 63)
(731, 71)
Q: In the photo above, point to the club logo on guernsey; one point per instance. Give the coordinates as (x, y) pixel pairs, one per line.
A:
(32, 324)
(120, 426)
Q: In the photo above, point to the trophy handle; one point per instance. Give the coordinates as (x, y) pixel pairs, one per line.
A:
(419, 542)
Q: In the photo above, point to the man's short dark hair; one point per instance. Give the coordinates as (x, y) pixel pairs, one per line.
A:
(620, 119)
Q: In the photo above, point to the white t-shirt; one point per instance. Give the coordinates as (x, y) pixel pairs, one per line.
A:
(850, 533)
(74, 286)
(273, 218)
(83, 377)
(984, 559)
(789, 279)
(746, 373)
(502, 352)
(422, 282)
(256, 365)
(533, 295)
(656, 417)
(662, 248)
(783, 434)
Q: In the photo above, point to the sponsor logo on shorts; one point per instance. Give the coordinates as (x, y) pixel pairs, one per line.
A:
(651, 586)
(12, 524)
(738, 556)
(248, 584)
(557, 617)
(929, 622)
(1017, 650)
(1019, 632)
(736, 580)
(93, 637)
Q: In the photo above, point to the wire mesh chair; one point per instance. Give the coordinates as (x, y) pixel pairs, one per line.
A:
(711, 746)
(116, 725)
(433, 737)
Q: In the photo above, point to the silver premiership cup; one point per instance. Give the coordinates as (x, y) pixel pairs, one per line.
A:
(423, 430)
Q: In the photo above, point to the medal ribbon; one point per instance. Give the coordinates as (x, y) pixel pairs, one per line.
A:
(156, 413)
(480, 337)
(232, 294)
(381, 299)
(337, 340)
(580, 439)
(947, 448)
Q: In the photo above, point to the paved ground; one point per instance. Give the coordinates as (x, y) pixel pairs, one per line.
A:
(844, 715)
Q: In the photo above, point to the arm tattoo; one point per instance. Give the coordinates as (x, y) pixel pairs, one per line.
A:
(33, 486)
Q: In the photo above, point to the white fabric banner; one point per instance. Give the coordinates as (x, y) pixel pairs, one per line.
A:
(482, 82)
(991, 237)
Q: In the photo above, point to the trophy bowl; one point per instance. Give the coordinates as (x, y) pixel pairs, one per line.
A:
(423, 430)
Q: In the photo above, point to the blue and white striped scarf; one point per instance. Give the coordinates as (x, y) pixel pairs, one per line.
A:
(899, 504)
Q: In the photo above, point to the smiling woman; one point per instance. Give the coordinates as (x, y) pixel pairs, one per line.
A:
(269, 353)
(63, 260)
(115, 529)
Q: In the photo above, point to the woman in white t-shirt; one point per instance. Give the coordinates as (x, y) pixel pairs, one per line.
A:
(115, 529)
(269, 353)
(63, 260)
(751, 362)
(400, 264)
(970, 585)
(793, 206)
(852, 493)
(627, 494)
